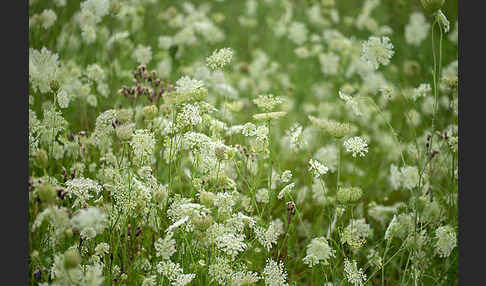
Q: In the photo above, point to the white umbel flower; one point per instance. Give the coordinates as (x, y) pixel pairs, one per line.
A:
(269, 236)
(406, 177)
(47, 18)
(274, 273)
(410, 177)
(165, 247)
(143, 54)
(219, 58)
(143, 145)
(150, 281)
(354, 275)
(89, 222)
(317, 169)
(298, 33)
(186, 86)
(356, 233)
(446, 240)
(286, 176)
(267, 101)
(318, 250)
(174, 272)
(62, 98)
(417, 29)
(231, 244)
(98, 8)
(422, 90)
(329, 63)
(356, 145)
(262, 196)
(244, 278)
(43, 68)
(286, 190)
(189, 116)
(82, 189)
(377, 51)
(294, 138)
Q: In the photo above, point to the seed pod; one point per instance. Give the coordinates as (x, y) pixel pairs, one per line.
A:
(220, 153)
(206, 198)
(150, 111)
(42, 158)
(160, 196)
(68, 233)
(203, 222)
(432, 5)
(115, 7)
(349, 195)
(442, 20)
(124, 132)
(71, 258)
(54, 84)
(47, 193)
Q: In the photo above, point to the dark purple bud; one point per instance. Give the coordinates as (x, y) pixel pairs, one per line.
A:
(38, 274)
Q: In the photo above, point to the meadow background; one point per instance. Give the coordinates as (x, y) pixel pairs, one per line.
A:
(134, 191)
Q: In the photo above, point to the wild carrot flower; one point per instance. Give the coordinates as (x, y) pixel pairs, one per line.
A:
(354, 275)
(43, 69)
(165, 247)
(318, 250)
(275, 273)
(356, 145)
(317, 169)
(89, 222)
(423, 90)
(219, 58)
(377, 51)
(47, 18)
(417, 29)
(446, 240)
(286, 190)
(267, 102)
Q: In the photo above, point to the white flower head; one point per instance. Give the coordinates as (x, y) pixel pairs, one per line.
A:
(219, 58)
(165, 247)
(297, 33)
(231, 244)
(318, 250)
(354, 275)
(274, 273)
(89, 222)
(47, 18)
(286, 176)
(377, 51)
(423, 90)
(286, 190)
(317, 169)
(143, 54)
(446, 240)
(417, 29)
(189, 116)
(262, 196)
(187, 86)
(356, 145)
(43, 68)
(82, 189)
